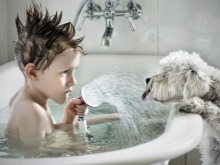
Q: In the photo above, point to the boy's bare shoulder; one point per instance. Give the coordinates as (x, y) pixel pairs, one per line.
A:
(27, 111)
(25, 117)
(29, 108)
(21, 103)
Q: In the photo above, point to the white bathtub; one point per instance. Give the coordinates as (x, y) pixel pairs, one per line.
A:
(183, 134)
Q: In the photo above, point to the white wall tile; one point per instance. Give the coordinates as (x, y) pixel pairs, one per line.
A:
(15, 8)
(3, 32)
(166, 25)
(190, 25)
(124, 41)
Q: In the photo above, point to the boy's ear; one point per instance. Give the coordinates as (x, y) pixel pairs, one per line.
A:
(30, 71)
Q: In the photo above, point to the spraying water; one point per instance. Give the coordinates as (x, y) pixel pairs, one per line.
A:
(123, 90)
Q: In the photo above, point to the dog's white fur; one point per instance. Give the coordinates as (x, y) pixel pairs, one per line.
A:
(186, 78)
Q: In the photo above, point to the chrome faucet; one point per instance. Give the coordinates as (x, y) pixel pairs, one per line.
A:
(93, 12)
(109, 20)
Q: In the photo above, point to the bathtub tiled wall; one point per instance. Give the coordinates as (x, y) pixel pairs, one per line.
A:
(3, 33)
(166, 25)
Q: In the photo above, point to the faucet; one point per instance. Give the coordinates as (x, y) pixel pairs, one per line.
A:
(94, 12)
(109, 20)
(106, 38)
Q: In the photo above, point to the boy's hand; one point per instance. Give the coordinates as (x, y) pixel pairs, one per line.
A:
(74, 106)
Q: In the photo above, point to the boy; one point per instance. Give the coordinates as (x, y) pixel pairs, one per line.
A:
(48, 56)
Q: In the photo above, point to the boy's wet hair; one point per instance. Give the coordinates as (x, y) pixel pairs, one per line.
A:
(42, 38)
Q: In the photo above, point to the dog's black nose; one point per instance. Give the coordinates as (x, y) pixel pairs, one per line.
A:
(147, 80)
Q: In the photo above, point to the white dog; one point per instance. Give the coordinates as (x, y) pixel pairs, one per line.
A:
(186, 78)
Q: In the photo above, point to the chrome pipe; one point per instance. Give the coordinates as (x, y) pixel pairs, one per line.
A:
(79, 11)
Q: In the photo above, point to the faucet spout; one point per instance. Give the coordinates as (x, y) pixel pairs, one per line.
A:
(106, 38)
(94, 12)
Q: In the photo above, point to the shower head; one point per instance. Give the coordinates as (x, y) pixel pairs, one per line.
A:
(90, 96)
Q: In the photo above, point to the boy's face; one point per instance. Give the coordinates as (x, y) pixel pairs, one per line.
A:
(56, 81)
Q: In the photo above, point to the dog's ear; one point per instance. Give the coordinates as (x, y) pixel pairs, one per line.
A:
(197, 84)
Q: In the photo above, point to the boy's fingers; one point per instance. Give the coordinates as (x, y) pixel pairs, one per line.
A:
(76, 101)
(83, 107)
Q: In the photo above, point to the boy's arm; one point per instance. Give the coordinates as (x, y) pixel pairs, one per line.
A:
(103, 118)
(30, 121)
(74, 106)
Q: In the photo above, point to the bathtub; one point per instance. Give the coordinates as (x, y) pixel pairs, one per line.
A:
(182, 134)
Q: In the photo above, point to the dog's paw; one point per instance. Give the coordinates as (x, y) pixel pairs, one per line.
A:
(186, 109)
(194, 105)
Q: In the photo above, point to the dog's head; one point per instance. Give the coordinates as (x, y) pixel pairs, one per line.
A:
(176, 80)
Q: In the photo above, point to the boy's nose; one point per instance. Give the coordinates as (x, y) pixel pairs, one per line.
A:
(71, 81)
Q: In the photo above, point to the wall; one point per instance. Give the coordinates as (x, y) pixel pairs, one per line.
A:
(3, 32)
(166, 25)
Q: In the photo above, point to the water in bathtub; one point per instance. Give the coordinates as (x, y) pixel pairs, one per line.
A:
(120, 92)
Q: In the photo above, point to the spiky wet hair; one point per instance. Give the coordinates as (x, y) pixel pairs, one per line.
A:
(41, 38)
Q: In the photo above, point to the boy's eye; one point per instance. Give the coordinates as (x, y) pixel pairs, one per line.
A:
(65, 72)
(69, 70)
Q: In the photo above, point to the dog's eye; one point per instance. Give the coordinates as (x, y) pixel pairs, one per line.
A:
(147, 80)
(193, 71)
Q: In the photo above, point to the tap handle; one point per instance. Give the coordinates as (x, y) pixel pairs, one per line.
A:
(116, 4)
(111, 5)
(128, 15)
(84, 15)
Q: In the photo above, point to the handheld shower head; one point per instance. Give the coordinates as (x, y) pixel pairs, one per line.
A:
(90, 96)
